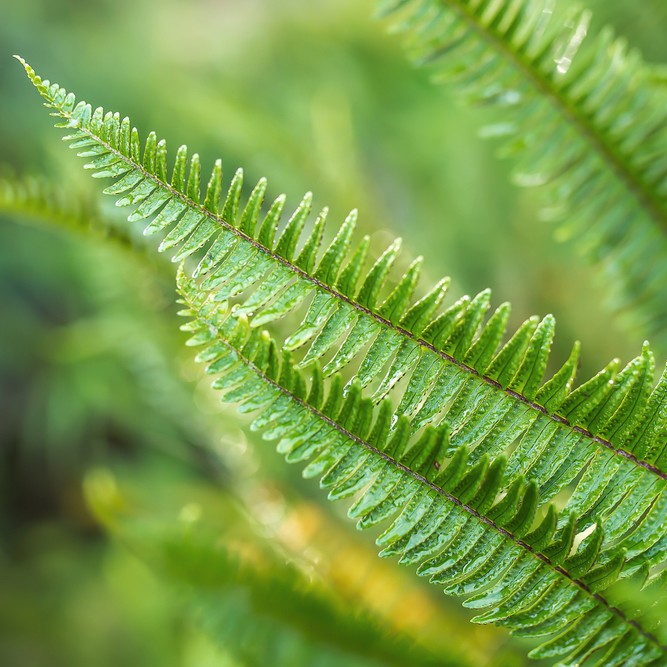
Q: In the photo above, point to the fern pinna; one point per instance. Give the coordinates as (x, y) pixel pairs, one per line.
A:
(581, 113)
(464, 468)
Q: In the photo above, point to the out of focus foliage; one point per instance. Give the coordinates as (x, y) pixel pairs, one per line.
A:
(93, 375)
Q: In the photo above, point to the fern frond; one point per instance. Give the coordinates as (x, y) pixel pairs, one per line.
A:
(601, 446)
(514, 441)
(261, 607)
(38, 198)
(583, 115)
(448, 517)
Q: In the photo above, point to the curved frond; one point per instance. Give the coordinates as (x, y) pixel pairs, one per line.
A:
(448, 517)
(582, 114)
(514, 439)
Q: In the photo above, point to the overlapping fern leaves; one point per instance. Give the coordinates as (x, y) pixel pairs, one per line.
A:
(478, 444)
(451, 519)
(583, 115)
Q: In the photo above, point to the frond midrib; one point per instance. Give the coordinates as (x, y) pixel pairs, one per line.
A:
(420, 478)
(614, 159)
(363, 309)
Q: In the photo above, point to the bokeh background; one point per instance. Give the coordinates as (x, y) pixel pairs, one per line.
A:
(122, 479)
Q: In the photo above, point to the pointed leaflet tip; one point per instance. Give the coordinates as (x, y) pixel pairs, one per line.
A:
(29, 70)
(35, 79)
(181, 278)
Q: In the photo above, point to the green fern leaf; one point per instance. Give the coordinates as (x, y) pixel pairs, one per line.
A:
(447, 517)
(582, 114)
(600, 446)
(43, 201)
